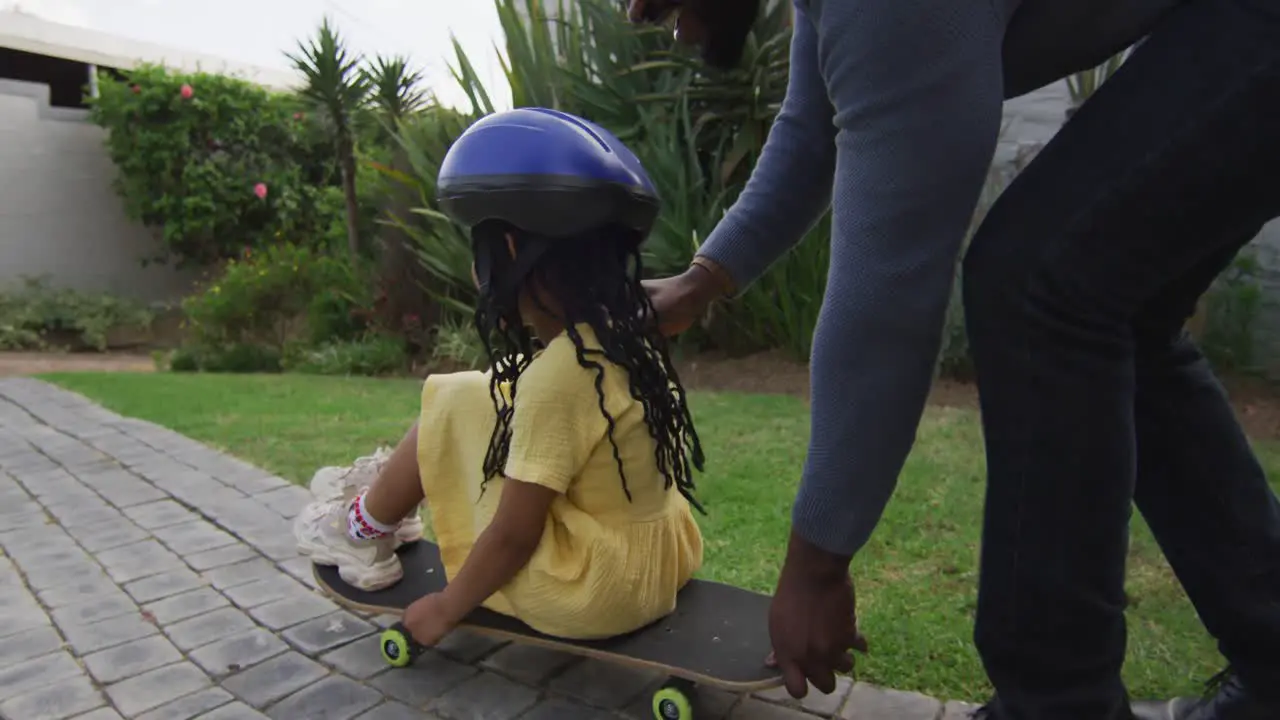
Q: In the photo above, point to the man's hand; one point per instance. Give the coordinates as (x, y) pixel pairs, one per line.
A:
(813, 619)
(682, 300)
(429, 619)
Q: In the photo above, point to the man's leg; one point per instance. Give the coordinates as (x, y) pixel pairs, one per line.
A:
(1158, 172)
(1203, 492)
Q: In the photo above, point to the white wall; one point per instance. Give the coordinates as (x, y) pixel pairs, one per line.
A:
(1033, 119)
(59, 214)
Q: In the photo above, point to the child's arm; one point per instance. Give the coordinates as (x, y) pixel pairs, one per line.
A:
(501, 550)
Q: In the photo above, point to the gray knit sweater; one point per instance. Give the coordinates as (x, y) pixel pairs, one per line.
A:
(890, 119)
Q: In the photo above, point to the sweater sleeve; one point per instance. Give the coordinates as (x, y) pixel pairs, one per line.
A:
(917, 91)
(790, 187)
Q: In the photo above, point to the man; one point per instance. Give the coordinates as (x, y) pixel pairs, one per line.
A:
(1076, 289)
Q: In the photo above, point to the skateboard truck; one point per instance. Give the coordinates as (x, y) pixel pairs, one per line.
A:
(673, 701)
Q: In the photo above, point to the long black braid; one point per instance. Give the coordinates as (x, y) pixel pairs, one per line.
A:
(595, 279)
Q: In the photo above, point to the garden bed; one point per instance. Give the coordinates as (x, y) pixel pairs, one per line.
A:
(1257, 403)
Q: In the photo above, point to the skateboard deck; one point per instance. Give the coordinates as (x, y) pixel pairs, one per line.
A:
(717, 636)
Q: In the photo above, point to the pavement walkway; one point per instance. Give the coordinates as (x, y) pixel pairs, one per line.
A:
(146, 575)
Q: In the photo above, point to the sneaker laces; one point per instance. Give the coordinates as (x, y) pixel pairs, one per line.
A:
(377, 460)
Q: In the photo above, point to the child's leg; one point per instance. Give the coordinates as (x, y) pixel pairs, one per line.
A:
(333, 482)
(357, 530)
(397, 492)
(357, 534)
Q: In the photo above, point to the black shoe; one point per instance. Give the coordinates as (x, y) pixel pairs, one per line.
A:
(1225, 698)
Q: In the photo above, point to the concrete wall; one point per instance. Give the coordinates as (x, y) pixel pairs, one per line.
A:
(59, 215)
(1035, 118)
(1267, 247)
(1032, 119)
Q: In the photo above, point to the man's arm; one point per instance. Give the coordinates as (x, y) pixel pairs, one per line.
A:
(917, 90)
(790, 187)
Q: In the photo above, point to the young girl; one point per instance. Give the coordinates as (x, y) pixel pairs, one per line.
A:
(559, 481)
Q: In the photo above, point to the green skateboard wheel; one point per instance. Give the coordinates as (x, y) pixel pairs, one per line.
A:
(671, 703)
(397, 646)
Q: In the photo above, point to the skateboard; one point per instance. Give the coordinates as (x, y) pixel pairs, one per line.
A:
(718, 635)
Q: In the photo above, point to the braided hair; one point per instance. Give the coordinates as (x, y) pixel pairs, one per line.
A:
(594, 278)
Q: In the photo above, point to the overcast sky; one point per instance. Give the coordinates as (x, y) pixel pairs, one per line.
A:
(259, 31)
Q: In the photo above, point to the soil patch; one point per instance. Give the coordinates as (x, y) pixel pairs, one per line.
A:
(770, 373)
(1257, 402)
(33, 363)
(776, 374)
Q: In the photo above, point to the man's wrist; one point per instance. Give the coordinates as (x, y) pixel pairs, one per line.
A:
(722, 282)
(811, 561)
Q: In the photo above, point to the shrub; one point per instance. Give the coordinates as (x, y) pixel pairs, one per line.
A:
(213, 164)
(1232, 307)
(233, 358)
(269, 300)
(457, 346)
(374, 354)
(338, 313)
(38, 316)
(442, 248)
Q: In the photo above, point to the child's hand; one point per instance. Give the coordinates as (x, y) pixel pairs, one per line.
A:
(429, 619)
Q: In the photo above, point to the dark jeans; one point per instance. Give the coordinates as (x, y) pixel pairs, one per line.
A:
(1076, 290)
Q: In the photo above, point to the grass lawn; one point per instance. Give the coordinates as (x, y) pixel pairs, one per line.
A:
(916, 580)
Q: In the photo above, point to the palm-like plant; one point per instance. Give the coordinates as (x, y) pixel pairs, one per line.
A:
(443, 249)
(338, 89)
(697, 131)
(394, 87)
(395, 97)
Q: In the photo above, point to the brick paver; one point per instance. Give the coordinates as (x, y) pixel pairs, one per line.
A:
(145, 575)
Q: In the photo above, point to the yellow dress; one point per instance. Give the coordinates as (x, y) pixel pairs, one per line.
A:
(605, 565)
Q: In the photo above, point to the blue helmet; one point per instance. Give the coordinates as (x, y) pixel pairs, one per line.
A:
(545, 172)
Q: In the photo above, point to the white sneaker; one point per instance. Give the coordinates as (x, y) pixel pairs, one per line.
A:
(332, 483)
(321, 532)
(410, 529)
